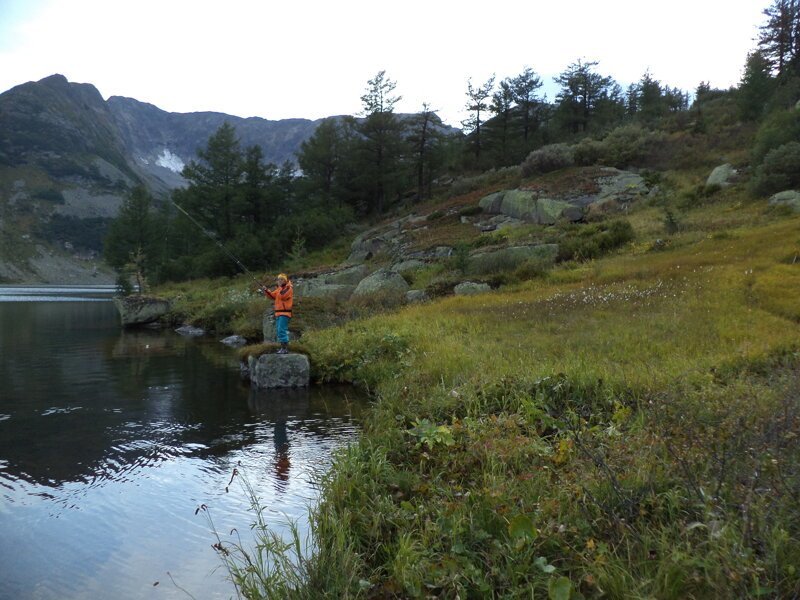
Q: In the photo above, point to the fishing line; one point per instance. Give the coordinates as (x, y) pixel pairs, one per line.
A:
(217, 242)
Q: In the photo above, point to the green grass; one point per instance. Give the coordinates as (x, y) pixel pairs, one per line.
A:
(623, 427)
(597, 430)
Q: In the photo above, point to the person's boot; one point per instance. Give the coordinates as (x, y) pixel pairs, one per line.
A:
(284, 348)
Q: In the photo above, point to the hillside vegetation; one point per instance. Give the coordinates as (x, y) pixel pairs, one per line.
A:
(619, 424)
(617, 414)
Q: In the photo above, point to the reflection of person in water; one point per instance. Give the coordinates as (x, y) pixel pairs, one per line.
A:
(281, 462)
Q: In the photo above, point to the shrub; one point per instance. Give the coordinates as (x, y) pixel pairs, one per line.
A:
(778, 129)
(588, 152)
(779, 171)
(629, 145)
(671, 222)
(548, 158)
(459, 260)
(469, 211)
(592, 241)
(533, 268)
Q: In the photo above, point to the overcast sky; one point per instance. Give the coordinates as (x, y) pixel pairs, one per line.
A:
(312, 58)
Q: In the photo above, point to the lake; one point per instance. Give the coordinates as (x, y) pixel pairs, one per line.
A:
(110, 440)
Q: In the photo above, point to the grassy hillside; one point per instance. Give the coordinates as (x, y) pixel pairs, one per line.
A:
(617, 427)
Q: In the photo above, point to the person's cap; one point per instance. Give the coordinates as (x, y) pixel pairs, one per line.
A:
(282, 275)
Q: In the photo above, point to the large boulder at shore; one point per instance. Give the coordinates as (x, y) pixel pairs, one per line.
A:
(234, 341)
(281, 371)
(190, 331)
(139, 310)
(382, 282)
(509, 258)
(790, 198)
(722, 176)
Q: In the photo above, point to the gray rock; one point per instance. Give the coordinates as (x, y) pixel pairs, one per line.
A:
(365, 247)
(492, 203)
(234, 341)
(572, 213)
(417, 296)
(470, 288)
(510, 258)
(441, 252)
(138, 310)
(382, 282)
(524, 205)
(408, 265)
(268, 326)
(790, 198)
(349, 276)
(722, 176)
(318, 288)
(281, 371)
(190, 331)
(622, 186)
(501, 222)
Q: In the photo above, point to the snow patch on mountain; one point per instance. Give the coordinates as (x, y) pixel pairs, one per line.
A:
(170, 161)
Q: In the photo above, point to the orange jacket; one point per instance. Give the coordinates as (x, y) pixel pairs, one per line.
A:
(283, 299)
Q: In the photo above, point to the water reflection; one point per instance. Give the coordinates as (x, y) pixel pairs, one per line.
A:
(109, 440)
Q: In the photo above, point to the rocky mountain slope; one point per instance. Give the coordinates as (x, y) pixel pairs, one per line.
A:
(68, 157)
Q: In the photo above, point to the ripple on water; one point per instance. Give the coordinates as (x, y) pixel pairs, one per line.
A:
(59, 410)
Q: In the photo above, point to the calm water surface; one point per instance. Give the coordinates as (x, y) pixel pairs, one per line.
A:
(110, 440)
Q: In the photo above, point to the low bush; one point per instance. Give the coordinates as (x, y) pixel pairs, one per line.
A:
(588, 152)
(592, 241)
(548, 158)
(779, 128)
(629, 146)
(469, 211)
(533, 268)
(780, 170)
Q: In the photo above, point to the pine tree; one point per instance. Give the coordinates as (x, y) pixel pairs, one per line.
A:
(424, 138)
(135, 231)
(779, 37)
(756, 87)
(502, 103)
(477, 105)
(524, 89)
(380, 148)
(214, 180)
(319, 158)
(582, 92)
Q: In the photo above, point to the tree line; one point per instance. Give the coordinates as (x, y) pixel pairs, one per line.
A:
(359, 167)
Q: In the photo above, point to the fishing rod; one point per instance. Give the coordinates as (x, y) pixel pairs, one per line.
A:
(213, 238)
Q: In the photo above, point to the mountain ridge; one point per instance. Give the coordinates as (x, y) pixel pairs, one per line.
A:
(68, 158)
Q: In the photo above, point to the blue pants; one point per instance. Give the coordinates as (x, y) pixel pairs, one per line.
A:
(282, 328)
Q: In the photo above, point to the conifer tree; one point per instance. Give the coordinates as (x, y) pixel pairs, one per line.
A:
(524, 89)
(779, 37)
(756, 87)
(477, 105)
(380, 148)
(213, 181)
(582, 92)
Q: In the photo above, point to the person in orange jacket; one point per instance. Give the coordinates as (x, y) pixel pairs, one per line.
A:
(282, 295)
